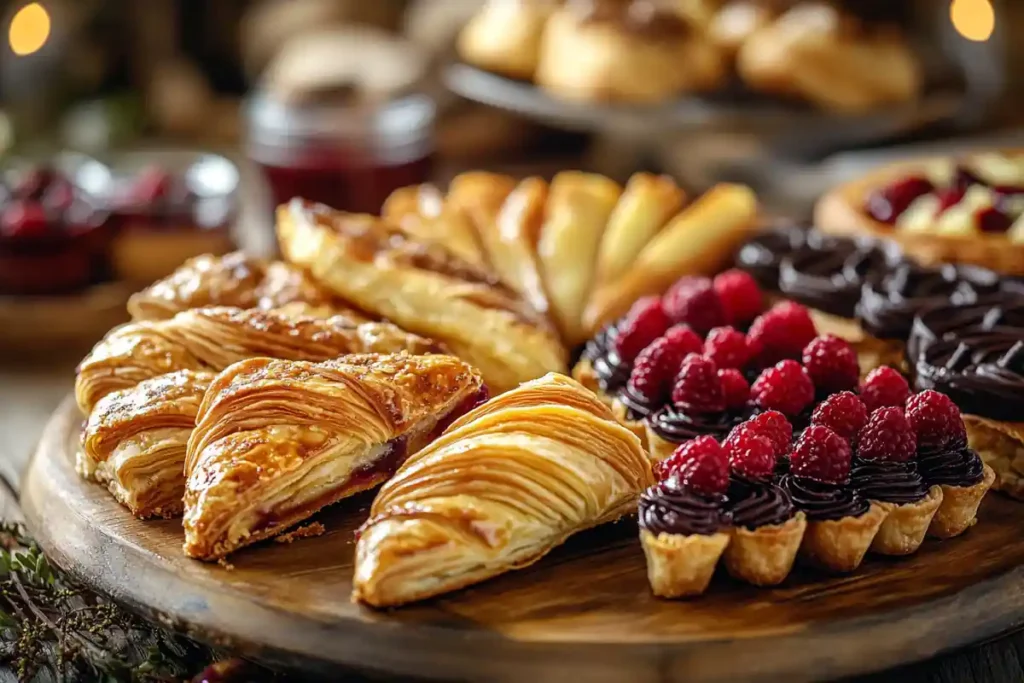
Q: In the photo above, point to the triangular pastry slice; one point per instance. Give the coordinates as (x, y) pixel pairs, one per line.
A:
(275, 441)
(421, 211)
(503, 486)
(424, 288)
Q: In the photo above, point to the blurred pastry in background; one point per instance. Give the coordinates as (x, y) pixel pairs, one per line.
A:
(505, 36)
(736, 21)
(626, 51)
(817, 53)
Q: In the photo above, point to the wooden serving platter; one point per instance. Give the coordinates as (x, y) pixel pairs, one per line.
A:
(584, 611)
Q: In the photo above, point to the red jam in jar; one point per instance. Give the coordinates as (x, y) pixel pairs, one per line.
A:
(349, 156)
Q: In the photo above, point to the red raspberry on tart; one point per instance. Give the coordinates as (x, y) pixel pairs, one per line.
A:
(697, 388)
(734, 387)
(832, 364)
(785, 387)
(773, 425)
(887, 436)
(645, 322)
(935, 419)
(728, 347)
(740, 296)
(843, 413)
(938, 210)
(883, 387)
(694, 302)
(782, 332)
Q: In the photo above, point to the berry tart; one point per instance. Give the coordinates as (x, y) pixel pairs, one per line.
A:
(841, 524)
(944, 459)
(767, 528)
(684, 521)
(971, 352)
(885, 473)
(938, 210)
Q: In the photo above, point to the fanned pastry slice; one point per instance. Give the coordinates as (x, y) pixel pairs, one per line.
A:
(503, 486)
(579, 205)
(135, 440)
(275, 441)
(235, 279)
(422, 211)
(213, 338)
(423, 288)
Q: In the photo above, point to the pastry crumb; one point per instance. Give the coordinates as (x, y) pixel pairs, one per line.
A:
(225, 564)
(307, 531)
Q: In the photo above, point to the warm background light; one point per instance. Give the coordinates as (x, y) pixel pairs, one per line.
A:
(973, 19)
(30, 27)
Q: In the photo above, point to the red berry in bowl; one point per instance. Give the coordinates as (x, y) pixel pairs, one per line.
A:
(843, 413)
(740, 295)
(782, 332)
(785, 387)
(701, 465)
(697, 389)
(832, 363)
(734, 387)
(884, 387)
(888, 204)
(695, 303)
(936, 420)
(822, 455)
(775, 427)
(887, 436)
(645, 322)
(24, 219)
(751, 455)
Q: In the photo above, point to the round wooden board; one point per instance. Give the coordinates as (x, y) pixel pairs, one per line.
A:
(584, 611)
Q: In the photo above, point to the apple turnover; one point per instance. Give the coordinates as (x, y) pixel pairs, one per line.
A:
(503, 486)
(423, 287)
(275, 441)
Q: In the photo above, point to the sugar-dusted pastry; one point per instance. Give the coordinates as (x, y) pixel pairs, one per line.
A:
(134, 441)
(699, 240)
(424, 288)
(945, 460)
(816, 53)
(422, 211)
(275, 441)
(638, 51)
(235, 279)
(578, 208)
(841, 524)
(213, 338)
(505, 36)
(685, 525)
(885, 472)
(503, 486)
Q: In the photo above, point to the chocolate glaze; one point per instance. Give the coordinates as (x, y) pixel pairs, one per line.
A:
(953, 465)
(668, 507)
(762, 256)
(611, 371)
(676, 427)
(637, 407)
(889, 482)
(821, 501)
(755, 504)
(1001, 312)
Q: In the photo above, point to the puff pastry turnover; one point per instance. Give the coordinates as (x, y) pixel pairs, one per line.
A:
(503, 486)
(275, 441)
(424, 288)
(235, 279)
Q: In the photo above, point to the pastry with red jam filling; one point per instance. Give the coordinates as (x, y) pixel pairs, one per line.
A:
(684, 521)
(841, 524)
(945, 460)
(885, 473)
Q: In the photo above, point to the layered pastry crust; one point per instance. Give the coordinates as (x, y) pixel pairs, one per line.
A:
(906, 525)
(275, 441)
(503, 486)
(1001, 446)
(213, 338)
(841, 211)
(424, 288)
(235, 279)
(681, 565)
(839, 545)
(764, 556)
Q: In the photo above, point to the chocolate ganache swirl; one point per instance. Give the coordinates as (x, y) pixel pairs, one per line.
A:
(953, 465)
(755, 504)
(821, 501)
(887, 307)
(675, 426)
(889, 482)
(1001, 313)
(611, 371)
(668, 507)
(637, 407)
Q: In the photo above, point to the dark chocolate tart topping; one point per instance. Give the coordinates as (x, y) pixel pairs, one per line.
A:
(953, 465)
(668, 507)
(676, 427)
(889, 482)
(755, 504)
(821, 501)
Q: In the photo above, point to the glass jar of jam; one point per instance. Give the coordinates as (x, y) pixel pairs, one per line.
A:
(347, 154)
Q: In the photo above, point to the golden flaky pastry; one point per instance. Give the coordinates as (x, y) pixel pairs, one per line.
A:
(1001, 445)
(214, 338)
(503, 486)
(424, 288)
(505, 35)
(275, 441)
(235, 279)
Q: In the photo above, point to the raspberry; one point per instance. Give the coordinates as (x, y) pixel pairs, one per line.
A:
(887, 436)
(935, 419)
(832, 363)
(782, 332)
(696, 304)
(739, 294)
(884, 387)
(656, 366)
(785, 387)
(751, 455)
(734, 387)
(700, 465)
(821, 454)
(645, 322)
(773, 425)
(843, 413)
(727, 347)
(697, 389)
